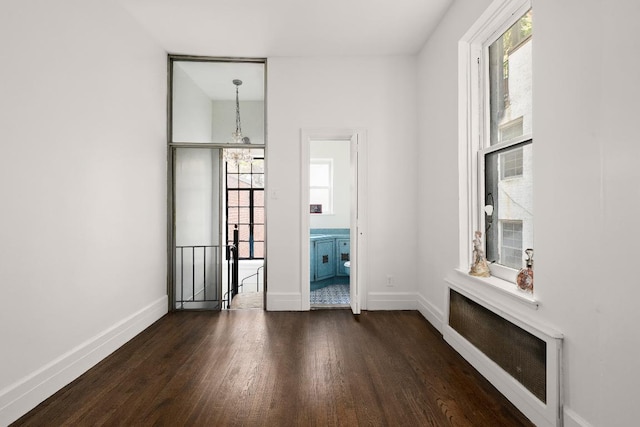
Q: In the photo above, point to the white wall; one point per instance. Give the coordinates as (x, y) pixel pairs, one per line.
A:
(251, 118)
(82, 179)
(192, 109)
(373, 93)
(586, 196)
(438, 153)
(339, 152)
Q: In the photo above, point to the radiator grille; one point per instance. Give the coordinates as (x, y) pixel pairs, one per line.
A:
(515, 350)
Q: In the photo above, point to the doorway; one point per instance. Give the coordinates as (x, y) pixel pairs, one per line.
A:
(333, 224)
(216, 179)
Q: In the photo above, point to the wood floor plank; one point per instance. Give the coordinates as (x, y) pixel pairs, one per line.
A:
(256, 368)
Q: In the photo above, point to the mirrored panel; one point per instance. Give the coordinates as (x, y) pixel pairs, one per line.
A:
(196, 205)
(218, 102)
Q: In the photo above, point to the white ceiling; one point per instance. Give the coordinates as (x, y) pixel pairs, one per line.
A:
(264, 28)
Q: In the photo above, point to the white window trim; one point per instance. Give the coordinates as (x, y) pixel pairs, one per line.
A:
(473, 132)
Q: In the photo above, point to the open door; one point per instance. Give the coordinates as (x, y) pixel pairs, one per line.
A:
(354, 232)
(340, 155)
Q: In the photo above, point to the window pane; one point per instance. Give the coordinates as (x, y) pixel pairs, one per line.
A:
(232, 181)
(258, 215)
(244, 167)
(258, 198)
(232, 167)
(244, 198)
(244, 215)
(258, 166)
(510, 85)
(258, 233)
(319, 175)
(258, 180)
(244, 181)
(258, 250)
(233, 216)
(244, 233)
(233, 198)
(508, 190)
(511, 247)
(203, 103)
(243, 249)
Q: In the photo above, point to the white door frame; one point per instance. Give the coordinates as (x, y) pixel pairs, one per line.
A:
(358, 252)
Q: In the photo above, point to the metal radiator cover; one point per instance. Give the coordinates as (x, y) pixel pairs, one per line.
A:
(515, 350)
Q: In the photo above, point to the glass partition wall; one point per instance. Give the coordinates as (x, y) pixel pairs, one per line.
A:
(216, 130)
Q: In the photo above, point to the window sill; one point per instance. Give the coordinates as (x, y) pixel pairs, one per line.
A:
(469, 283)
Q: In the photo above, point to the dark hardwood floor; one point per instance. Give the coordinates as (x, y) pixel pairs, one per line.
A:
(256, 368)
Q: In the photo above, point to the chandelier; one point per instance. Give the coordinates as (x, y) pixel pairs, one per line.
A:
(238, 155)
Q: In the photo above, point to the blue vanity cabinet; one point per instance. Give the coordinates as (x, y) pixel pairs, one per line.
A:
(342, 256)
(324, 259)
(328, 250)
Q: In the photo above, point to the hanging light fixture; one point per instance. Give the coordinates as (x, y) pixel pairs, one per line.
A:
(238, 155)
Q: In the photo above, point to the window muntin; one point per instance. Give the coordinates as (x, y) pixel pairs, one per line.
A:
(507, 154)
(321, 184)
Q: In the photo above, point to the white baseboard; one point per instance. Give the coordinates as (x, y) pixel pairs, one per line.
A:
(284, 301)
(391, 301)
(571, 419)
(430, 312)
(24, 395)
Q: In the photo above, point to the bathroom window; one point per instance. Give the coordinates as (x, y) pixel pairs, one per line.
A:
(245, 207)
(321, 184)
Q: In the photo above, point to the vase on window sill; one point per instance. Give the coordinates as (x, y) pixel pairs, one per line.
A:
(479, 265)
(524, 280)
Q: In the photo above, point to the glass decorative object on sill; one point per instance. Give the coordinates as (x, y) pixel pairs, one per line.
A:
(479, 266)
(524, 280)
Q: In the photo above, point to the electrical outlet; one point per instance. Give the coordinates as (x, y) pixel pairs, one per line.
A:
(390, 282)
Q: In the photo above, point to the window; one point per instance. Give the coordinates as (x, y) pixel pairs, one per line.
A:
(508, 184)
(509, 152)
(511, 164)
(496, 136)
(321, 184)
(245, 206)
(510, 130)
